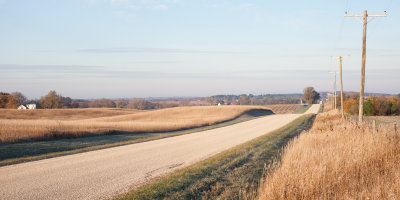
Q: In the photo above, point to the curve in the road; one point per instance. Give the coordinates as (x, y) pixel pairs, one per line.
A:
(103, 173)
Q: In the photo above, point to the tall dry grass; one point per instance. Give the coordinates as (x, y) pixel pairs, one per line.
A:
(337, 159)
(14, 130)
(64, 114)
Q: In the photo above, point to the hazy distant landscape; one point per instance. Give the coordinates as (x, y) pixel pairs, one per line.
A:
(178, 99)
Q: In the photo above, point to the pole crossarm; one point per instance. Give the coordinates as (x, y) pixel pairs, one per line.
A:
(369, 15)
(338, 57)
(353, 15)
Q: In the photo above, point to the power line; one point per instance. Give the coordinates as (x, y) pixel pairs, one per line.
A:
(389, 5)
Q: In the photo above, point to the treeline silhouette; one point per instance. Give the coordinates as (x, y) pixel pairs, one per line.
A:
(53, 100)
(373, 105)
(250, 99)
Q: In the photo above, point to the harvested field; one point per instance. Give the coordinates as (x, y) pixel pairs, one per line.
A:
(64, 114)
(96, 121)
(283, 108)
(337, 159)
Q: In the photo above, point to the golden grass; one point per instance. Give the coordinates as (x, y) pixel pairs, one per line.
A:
(337, 159)
(42, 128)
(63, 114)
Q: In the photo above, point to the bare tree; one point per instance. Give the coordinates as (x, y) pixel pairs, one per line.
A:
(310, 96)
(141, 104)
(244, 100)
(19, 98)
(51, 100)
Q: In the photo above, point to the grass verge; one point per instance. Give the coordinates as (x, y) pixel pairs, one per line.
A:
(232, 174)
(321, 108)
(30, 151)
(337, 159)
(302, 109)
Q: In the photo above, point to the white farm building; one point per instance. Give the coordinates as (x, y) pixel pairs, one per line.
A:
(27, 106)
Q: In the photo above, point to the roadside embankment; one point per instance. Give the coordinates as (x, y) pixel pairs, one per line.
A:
(337, 159)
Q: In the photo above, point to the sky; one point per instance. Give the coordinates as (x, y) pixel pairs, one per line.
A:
(165, 48)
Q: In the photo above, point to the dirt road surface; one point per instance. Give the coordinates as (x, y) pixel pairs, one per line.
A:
(105, 173)
(314, 109)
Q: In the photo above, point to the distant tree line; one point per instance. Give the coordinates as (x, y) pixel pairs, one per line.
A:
(250, 99)
(373, 106)
(309, 96)
(12, 100)
(53, 100)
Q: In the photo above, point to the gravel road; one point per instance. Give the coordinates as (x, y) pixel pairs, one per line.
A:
(104, 173)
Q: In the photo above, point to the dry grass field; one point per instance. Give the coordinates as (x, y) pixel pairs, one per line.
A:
(337, 159)
(20, 125)
(63, 114)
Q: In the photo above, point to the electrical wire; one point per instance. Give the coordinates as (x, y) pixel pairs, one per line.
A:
(347, 6)
(388, 5)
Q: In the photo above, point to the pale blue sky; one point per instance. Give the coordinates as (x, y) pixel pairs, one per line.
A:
(159, 48)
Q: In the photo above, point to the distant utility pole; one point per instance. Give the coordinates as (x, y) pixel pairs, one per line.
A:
(365, 18)
(334, 92)
(341, 85)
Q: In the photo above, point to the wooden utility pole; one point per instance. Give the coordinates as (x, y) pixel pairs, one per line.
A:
(365, 18)
(341, 87)
(340, 58)
(335, 93)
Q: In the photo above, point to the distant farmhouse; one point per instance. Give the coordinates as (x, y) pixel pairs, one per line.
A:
(27, 106)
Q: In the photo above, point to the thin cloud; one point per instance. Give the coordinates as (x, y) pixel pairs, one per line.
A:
(143, 4)
(98, 72)
(250, 9)
(369, 49)
(159, 7)
(151, 50)
(13, 67)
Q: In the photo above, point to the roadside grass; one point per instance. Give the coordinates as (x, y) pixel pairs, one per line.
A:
(232, 174)
(337, 159)
(29, 151)
(321, 108)
(302, 109)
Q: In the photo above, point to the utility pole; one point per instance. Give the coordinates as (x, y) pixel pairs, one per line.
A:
(365, 18)
(340, 58)
(334, 91)
(341, 88)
